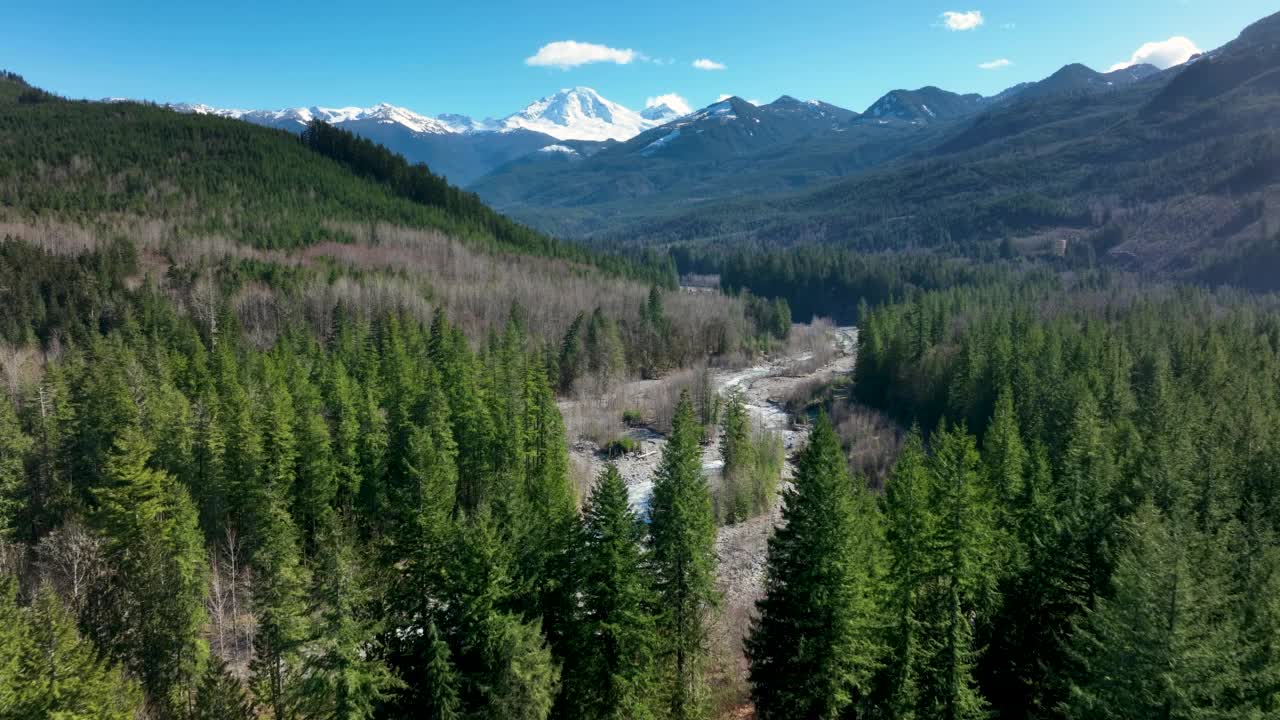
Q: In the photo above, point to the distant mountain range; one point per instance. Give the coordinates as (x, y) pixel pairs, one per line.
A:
(733, 148)
(1180, 164)
(1173, 172)
(465, 149)
(460, 147)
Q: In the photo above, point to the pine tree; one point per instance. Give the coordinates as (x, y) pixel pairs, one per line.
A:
(1006, 459)
(243, 453)
(208, 477)
(342, 678)
(436, 690)
(317, 484)
(14, 447)
(682, 540)
(279, 604)
(504, 666)
(152, 611)
(103, 407)
(908, 525)
(13, 640)
(417, 548)
(609, 671)
(343, 397)
(604, 347)
(960, 548)
(655, 330)
(736, 451)
(221, 696)
(63, 676)
(573, 357)
(1024, 640)
(53, 427)
(543, 562)
(1166, 642)
(472, 428)
(816, 643)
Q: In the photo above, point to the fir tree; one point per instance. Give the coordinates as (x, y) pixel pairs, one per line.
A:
(960, 547)
(816, 643)
(504, 666)
(1166, 642)
(343, 679)
(13, 640)
(14, 446)
(735, 449)
(610, 664)
(53, 425)
(62, 675)
(436, 689)
(573, 357)
(221, 696)
(605, 355)
(908, 525)
(153, 608)
(682, 540)
(279, 604)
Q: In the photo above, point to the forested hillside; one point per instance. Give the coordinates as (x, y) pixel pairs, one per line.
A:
(279, 436)
(281, 431)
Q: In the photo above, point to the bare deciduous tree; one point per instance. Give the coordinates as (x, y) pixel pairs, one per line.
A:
(72, 561)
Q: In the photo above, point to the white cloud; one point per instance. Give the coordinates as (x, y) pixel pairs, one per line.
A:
(705, 64)
(996, 64)
(565, 54)
(1174, 51)
(723, 97)
(671, 100)
(962, 20)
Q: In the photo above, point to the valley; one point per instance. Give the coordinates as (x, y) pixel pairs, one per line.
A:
(964, 405)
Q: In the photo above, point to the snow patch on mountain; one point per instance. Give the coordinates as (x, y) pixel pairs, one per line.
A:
(660, 143)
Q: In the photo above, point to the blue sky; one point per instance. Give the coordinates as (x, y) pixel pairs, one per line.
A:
(472, 57)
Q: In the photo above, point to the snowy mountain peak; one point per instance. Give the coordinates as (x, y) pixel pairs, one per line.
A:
(660, 113)
(579, 113)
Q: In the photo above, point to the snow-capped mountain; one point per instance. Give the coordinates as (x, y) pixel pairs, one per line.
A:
(660, 113)
(734, 128)
(581, 113)
(297, 118)
(578, 113)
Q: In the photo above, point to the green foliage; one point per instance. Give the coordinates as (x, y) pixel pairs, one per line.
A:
(506, 668)
(342, 679)
(603, 346)
(816, 643)
(151, 610)
(1166, 642)
(279, 604)
(752, 465)
(621, 445)
(682, 542)
(610, 670)
(14, 448)
(221, 696)
(48, 670)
